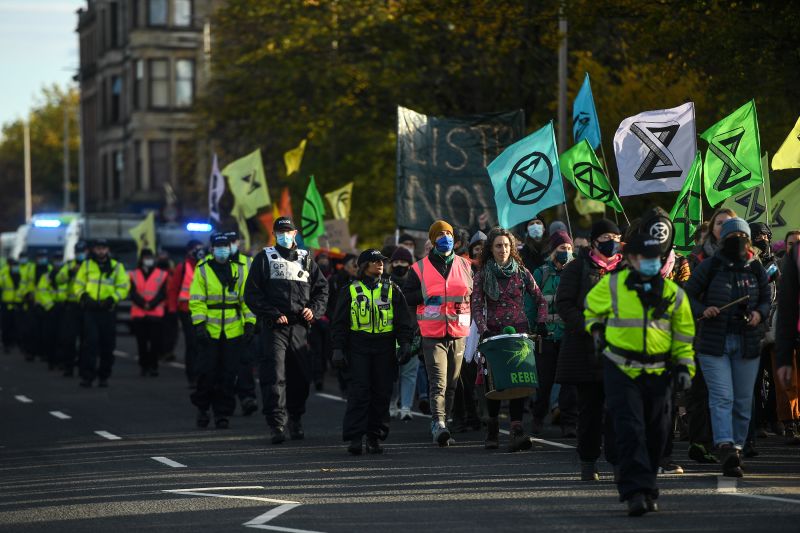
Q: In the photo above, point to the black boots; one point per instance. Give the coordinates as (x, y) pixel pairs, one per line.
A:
(518, 440)
(277, 435)
(589, 471)
(731, 461)
(356, 446)
(492, 441)
(296, 430)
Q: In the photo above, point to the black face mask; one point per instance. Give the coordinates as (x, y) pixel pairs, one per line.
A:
(400, 271)
(763, 246)
(734, 248)
(608, 248)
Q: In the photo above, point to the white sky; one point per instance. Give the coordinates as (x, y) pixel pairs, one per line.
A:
(38, 47)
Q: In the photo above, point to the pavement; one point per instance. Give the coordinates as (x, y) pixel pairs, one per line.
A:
(129, 458)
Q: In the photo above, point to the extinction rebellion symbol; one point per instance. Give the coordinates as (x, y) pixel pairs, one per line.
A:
(659, 162)
(724, 146)
(584, 173)
(532, 176)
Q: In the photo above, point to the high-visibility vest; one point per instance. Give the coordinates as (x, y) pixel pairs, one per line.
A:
(27, 278)
(148, 288)
(11, 293)
(371, 311)
(97, 285)
(445, 308)
(65, 283)
(636, 340)
(44, 290)
(186, 282)
(219, 308)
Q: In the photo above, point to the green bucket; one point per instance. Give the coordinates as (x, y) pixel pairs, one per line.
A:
(511, 366)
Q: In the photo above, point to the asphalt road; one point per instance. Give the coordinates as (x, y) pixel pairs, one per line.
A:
(129, 458)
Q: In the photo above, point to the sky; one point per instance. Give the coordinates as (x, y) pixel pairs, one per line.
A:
(38, 47)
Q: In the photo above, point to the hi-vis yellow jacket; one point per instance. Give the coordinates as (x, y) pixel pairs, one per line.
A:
(636, 340)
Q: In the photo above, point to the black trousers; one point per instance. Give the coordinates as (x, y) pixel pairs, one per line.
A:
(26, 322)
(216, 366)
(45, 323)
(8, 326)
(245, 379)
(546, 362)
(319, 341)
(70, 333)
(641, 411)
(372, 369)
(516, 408)
(284, 369)
(149, 332)
(464, 405)
(190, 345)
(697, 412)
(99, 341)
(170, 333)
(595, 429)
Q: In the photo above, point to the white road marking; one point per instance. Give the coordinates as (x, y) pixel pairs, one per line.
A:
(120, 353)
(169, 462)
(726, 485)
(175, 364)
(331, 397)
(60, 415)
(23, 399)
(770, 498)
(107, 435)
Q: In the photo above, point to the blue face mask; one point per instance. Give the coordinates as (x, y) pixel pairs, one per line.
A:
(284, 239)
(444, 244)
(234, 249)
(535, 231)
(81, 256)
(563, 257)
(222, 253)
(42, 261)
(649, 267)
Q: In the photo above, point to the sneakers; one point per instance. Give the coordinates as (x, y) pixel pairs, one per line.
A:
(393, 411)
(731, 461)
(668, 467)
(637, 505)
(698, 453)
(356, 446)
(277, 435)
(249, 406)
(405, 414)
(492, 441)
(202, 419)
(296, 431)
(85, 383)
(518, 440)
(373, 446)
(652, 506)
(440, 433)
(589, 471)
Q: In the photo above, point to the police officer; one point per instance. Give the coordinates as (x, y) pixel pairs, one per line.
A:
(371, 318)
(42, 312)
(287, 291)
(10, 282)
(224, 326)
(644, 328)
(245, 380)
(100, 284)
(70, 326)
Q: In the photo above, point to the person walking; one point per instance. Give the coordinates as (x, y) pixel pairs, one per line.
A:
(10, 283)
(403, 391)
(148, 296)
(730, 296)
(70, 332)
(643, 331)
(787, 343)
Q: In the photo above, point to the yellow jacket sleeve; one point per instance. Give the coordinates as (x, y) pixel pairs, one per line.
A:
(122, 283)
(79, 287)
(197, 298)
(598, 303)
(682, 349)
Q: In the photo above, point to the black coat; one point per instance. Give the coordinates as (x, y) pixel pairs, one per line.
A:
(786, 331)
(533, 253)
(577, 362)
(718, 281)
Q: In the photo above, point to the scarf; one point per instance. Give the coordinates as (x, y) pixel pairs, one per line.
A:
(446, 258)
(606, 264)
(492, 272)
(710, 248)
(669, 264)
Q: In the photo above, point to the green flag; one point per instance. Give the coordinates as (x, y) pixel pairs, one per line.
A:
(579, 165)
(751, 204)
(687, 212)
(313, 225)
(785, 215)
(733, 159)
(248, 183)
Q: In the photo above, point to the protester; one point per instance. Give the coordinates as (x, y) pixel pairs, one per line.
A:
(709, 242)
(533, 252)
(787, 344)
(403, 391)
(148, 295)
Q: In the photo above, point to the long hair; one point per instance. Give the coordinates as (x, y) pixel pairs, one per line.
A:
(721, 211)
(486, 253)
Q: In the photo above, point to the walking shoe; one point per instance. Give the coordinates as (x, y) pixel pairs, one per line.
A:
(668, 467)
(222, 423)
(356, 446)
(652, 505)
(589, 471)
(492, 441)
(569, 432)
(296, 430)
(749, 450)
(277, 435)
(637, 506)
(731, 462)
(451, 441)
(85, 383)
(103, 383)
(249, 406)
(373, 446)
(537, 427)
(518, 440)
(441, 435)
(405, 414)
(790, 434)
(202, 418)
(424, 406)
(698, 453)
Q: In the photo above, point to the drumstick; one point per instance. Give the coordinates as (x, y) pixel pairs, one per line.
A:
(731, 304)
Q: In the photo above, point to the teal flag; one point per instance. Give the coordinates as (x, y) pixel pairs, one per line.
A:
(526, 178)
(584, 116)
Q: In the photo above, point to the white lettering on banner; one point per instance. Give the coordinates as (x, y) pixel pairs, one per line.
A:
(457, 148)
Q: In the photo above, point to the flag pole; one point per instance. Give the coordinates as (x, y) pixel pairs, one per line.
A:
(566, 211)
(605, 164)
(764, 188)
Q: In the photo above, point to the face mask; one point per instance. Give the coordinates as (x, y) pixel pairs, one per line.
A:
(234, 249)
(649, 267)
(444, 243)
(535, 231)
(148, 263)
(734, 248)
(563, 257)
(608, 248)
(81, 256)
(199, 254)
(42, 261)
(763, 246)
(222, 254)
(285, 240)
(400, 271)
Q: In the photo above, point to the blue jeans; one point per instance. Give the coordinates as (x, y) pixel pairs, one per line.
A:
(730, 379)
(422, 382)
(406, 384)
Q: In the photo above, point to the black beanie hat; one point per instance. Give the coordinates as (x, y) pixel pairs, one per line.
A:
(604, 226)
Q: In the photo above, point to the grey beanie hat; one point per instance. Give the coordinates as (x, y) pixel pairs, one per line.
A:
(555, 226)
(479, 236)
(733, 225)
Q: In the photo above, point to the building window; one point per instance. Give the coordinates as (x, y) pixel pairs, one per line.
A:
(184, 82)
(105, 174)
(134, 13)
(138, 84)
(113, 15)
(138, 178)
(159, 83)
(116, 98)
(157, 12)
(119, 168)
(159, 164)
(182, 13)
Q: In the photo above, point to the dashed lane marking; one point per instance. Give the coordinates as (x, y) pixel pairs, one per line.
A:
(60, 415)
(107, 435)
(169, 462)
(23, 399)
(120, 353)
(175, 364)
(331, 397)
(728, 485)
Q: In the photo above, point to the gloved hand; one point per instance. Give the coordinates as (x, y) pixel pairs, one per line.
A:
(599, 340)
(338, 360)
(541, 329)
(249, 332)
(404, 353)
(201, 333)
(683, 380)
